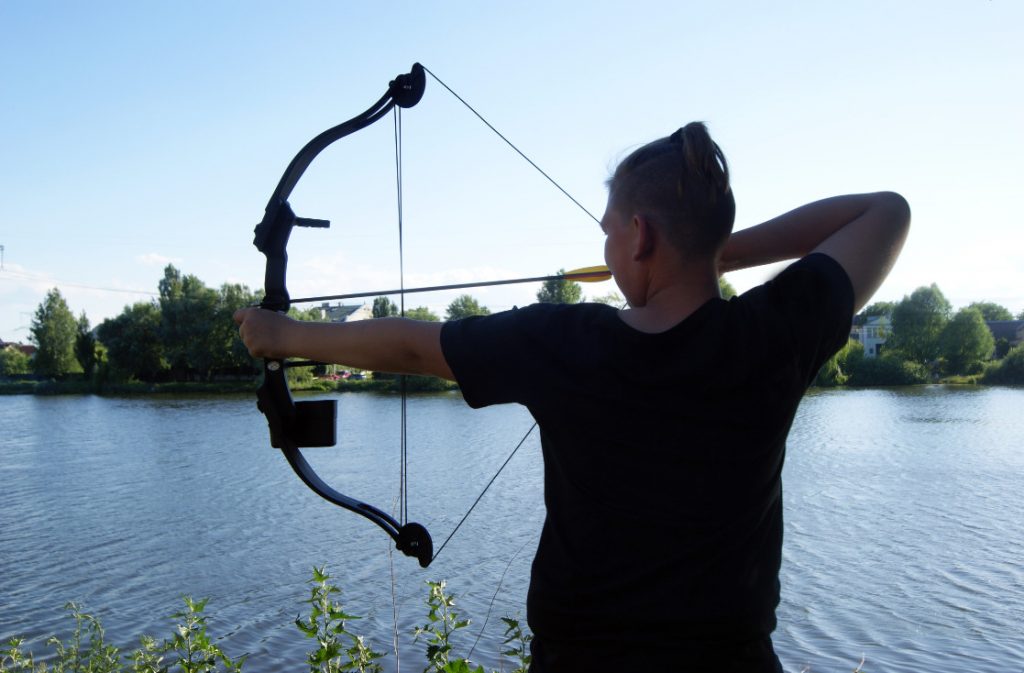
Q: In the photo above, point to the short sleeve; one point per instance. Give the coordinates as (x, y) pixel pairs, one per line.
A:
(815, 297)
(486, 355)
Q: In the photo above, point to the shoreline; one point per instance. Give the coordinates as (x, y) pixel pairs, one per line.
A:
(414, 384)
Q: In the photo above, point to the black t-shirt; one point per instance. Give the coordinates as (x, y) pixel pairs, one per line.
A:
(662, 452)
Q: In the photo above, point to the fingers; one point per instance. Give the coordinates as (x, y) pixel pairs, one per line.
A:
(255, 327)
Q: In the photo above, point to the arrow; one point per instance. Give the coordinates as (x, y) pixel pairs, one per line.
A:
(587, 274)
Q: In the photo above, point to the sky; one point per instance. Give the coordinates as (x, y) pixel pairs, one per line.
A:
(134, 135)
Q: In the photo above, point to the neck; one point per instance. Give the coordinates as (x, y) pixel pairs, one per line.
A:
(672, 297)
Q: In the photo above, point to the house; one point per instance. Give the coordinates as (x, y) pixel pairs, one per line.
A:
(342, 313)
(27, 349)
(871, 333)
(1011, 330)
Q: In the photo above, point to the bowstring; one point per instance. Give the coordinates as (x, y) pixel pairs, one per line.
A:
(403, 441)
(403, 502)
(510, 144)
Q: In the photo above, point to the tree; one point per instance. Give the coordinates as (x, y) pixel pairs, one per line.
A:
(917, 323)
(1009, 370)
(53, 332)
(613, 298)
(559, 291)
(1020, 316)
(384, 308)
(422, 313)
(86, 347)
(966, 342)
(187, 310)
(13, 361)
(876, 309)
(991, 310)
(229, 352)
(464, 306)
(726, 288)
(133, 343)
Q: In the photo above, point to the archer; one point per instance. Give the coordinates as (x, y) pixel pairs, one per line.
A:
(662, 480)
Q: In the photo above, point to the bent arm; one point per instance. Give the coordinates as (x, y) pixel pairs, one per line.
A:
(864, 233)
(397, 345)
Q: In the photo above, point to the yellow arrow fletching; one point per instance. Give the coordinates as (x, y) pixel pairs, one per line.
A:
(589, 274)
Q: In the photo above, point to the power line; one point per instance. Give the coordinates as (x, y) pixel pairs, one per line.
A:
(21, 275)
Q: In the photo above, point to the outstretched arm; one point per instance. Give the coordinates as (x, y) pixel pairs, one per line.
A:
(396, 345)
(863, 232)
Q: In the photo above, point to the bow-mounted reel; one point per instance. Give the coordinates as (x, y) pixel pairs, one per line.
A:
(296, 425)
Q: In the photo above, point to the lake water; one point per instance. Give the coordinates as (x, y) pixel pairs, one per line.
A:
(904, 526)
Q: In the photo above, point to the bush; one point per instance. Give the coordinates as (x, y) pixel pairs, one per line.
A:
(1009, 370)
(887, 370)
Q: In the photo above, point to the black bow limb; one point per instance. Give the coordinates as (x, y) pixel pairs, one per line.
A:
(296, 425)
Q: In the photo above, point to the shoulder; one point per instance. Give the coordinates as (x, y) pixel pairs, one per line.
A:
(811, 283)
(535, 318)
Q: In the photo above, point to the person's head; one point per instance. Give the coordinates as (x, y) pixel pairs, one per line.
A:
(680, 185)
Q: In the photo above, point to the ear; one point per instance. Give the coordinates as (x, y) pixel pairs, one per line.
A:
(644, 237)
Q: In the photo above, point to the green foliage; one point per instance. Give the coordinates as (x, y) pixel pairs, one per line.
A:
(196, 652)
(188, 309)
(560, 291)
(465, 306)
(1002, 348)
(53, 332)
(518, 643)
(14, 660)
(613, 298)
(726, 288)
(442, 623)
(326, 623)
(965, 342)
(190, 649)
(13, 362)
(422, 313)
(92, 655)
(86, 347)
(383, 307)
(836, 370)
(134, 347)
(228, 352)
(917, 323)
(1009, 370)
(991, 310)
(878, 308)
(889, 369)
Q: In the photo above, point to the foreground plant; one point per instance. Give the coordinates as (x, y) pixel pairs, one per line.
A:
(442, 622)
(326, 623)
(519, 642)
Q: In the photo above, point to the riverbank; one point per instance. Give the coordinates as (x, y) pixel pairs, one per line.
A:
(416, 384)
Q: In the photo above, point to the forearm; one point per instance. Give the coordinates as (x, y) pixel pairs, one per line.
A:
(864, 233)
(397, 345)
(796, 233)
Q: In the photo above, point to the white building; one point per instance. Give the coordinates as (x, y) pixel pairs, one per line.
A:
(342, 313)
(872, 334)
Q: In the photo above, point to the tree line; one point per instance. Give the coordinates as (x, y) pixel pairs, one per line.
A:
(928, 342)
(187, 334)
